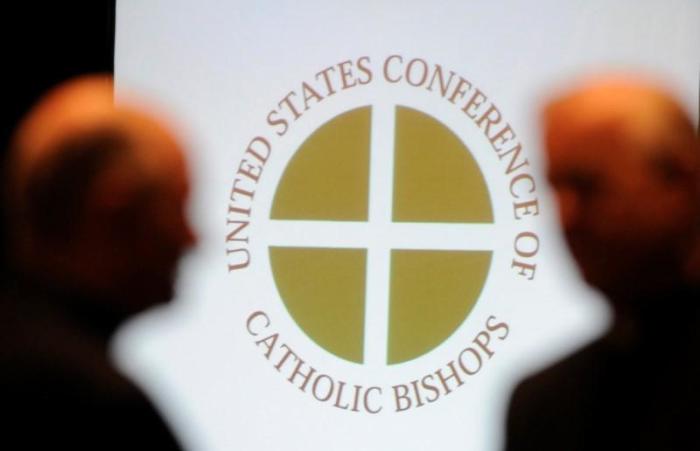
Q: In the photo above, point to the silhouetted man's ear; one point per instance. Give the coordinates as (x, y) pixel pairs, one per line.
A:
(115, 203)
(114, 189)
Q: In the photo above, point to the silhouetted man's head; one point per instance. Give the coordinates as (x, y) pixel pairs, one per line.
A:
(96, 197)
(623, 162)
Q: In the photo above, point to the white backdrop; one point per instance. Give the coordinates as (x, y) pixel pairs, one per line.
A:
(218, 69)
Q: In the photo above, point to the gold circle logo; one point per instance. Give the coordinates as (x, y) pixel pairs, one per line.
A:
(369, 256)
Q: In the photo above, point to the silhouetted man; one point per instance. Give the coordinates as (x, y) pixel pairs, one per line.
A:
(624, 164)
(96, 199)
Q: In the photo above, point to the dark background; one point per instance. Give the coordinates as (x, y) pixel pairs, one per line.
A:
(44, 43)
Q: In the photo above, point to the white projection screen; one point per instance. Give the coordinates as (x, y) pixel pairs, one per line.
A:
(378, 260)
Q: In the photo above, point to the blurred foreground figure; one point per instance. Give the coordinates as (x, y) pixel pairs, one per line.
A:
(624, 164)
(95, 197)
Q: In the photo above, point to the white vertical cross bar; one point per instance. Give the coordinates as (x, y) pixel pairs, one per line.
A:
(381, 182)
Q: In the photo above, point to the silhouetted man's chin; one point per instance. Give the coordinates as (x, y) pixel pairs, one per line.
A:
(155, 295)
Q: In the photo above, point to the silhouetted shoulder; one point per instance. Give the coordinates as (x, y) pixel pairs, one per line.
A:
(606, 396)
(548, 408)
(59, 389)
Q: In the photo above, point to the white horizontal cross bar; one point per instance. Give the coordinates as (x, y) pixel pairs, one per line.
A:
(396, 235)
